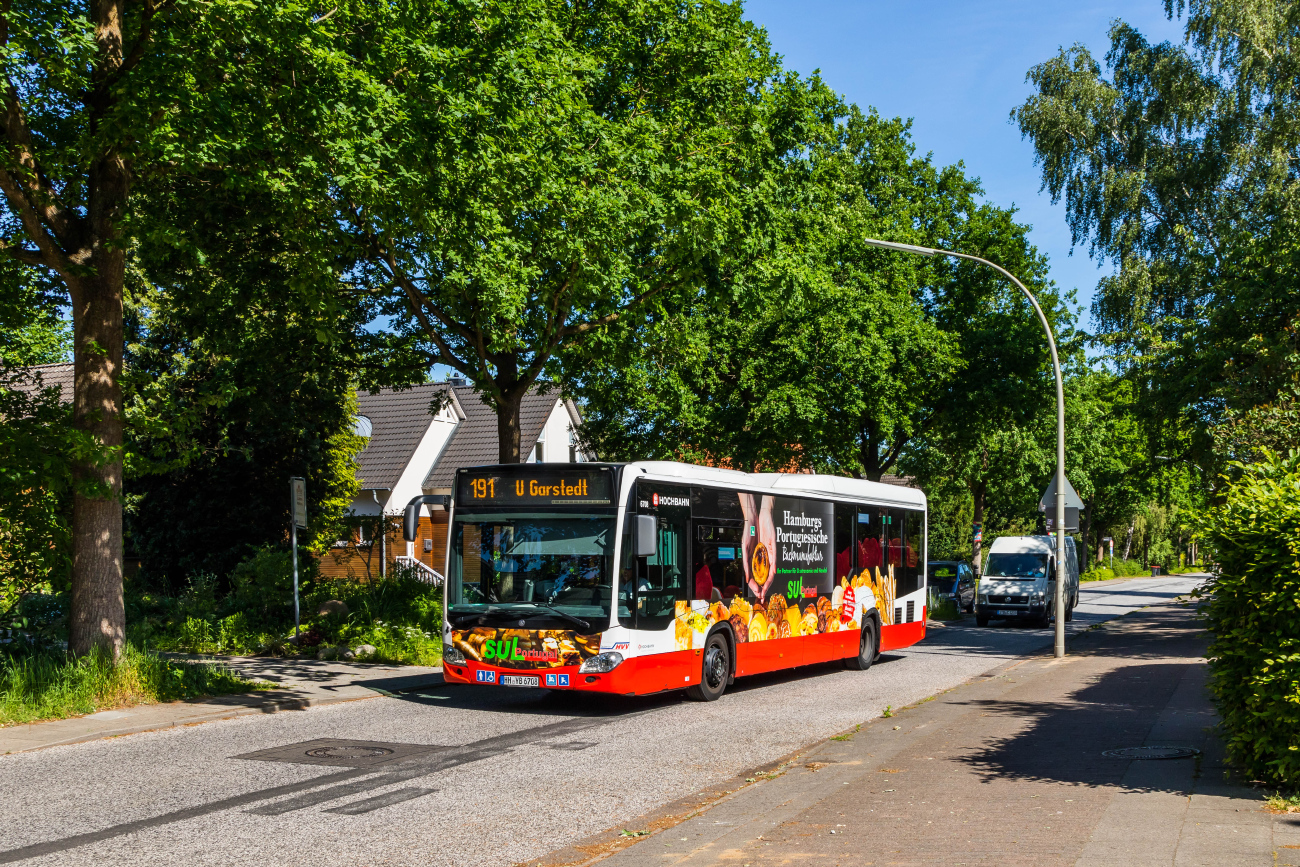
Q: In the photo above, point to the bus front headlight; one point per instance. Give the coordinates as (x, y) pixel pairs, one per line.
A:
(601, 663)
(451, 653)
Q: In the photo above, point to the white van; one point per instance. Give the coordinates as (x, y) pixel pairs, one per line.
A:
(1017, 580)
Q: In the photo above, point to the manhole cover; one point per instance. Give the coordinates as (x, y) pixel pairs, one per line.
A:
(1152, 753)
(341, 753)
(349, 751)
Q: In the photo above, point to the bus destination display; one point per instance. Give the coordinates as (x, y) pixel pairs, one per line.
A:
(545, 486)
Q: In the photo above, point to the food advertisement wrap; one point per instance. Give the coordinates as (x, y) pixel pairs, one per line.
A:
(788, 561)
(525, 648)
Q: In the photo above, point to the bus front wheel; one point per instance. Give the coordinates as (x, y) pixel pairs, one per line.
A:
(867, 648)
(715, 668)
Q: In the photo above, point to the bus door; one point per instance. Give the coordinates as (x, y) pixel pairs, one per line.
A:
(659, 581)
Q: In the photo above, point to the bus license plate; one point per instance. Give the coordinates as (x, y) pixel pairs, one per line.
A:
(518, 680)
(1003, 612)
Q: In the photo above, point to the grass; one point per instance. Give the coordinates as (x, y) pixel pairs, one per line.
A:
(1280, 803)
(942, 608)
(48, 686)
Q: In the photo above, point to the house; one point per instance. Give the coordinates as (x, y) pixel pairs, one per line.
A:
(42, 376)
(412, 452)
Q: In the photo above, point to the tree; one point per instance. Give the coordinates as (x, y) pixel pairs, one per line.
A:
(99, 98)
(532, 171)
(822, 352)
(1178, 167)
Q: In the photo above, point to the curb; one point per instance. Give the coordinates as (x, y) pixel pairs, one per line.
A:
(275, 705)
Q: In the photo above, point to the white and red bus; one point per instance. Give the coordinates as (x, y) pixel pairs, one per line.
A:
(649, 576)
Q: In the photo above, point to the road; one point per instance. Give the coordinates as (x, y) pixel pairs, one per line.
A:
(494, 776)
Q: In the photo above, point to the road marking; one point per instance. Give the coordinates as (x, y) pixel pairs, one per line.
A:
(422, 765)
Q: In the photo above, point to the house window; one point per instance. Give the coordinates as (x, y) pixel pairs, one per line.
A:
(539, 450)
(573, 448)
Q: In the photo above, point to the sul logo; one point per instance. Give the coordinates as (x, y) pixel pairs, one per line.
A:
(507, 650)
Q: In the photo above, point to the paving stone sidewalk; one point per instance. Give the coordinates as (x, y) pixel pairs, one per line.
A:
(1008, 769)
(300, 684)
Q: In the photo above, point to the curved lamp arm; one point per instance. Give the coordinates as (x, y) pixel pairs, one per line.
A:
(1060, 415)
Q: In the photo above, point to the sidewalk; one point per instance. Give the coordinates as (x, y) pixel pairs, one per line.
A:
(1006, 769)
(302, 684)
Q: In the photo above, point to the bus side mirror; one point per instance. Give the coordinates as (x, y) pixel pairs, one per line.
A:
(411, 516)
(646, 542)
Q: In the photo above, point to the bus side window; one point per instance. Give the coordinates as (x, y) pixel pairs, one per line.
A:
(905, 539)
(868, 554)
(843, 541)
(716, 564)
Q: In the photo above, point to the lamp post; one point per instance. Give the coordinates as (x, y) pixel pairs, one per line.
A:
(1059, 594)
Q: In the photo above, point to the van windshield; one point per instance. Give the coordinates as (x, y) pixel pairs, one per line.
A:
(1018, 566)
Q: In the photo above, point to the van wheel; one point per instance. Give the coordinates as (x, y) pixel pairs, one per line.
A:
(868, 647)
(981, 620)
(1069, 609)
(715, 667)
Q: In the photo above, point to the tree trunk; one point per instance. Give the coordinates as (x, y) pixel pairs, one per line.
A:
(508, 433)
(1084, 550)
(1128, 540)
(869, 450)
(97, 612)
(977, 493)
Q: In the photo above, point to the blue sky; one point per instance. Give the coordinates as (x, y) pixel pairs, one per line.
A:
(957, 68)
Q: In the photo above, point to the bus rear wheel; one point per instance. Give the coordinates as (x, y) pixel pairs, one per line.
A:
(868, 645)
(715, 668)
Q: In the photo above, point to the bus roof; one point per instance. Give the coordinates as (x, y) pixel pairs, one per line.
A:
(783, 484)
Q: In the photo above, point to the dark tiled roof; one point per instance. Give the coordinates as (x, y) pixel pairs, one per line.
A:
(46, 376)
(399, 420)
(898, 481)
(475, 441)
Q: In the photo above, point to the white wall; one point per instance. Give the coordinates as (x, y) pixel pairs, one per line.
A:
(556, 434)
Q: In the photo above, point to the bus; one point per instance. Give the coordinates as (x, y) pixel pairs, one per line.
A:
(649, 576)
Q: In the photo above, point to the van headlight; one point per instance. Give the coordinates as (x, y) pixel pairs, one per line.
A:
(602, 663)
(451, 653)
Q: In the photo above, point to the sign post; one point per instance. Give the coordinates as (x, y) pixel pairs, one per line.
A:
(298, 510)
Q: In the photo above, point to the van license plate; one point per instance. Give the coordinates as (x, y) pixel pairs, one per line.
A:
(518, 680)
(1004, 612)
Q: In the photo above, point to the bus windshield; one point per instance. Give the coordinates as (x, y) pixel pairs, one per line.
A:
(532, 562)
(1023, 566)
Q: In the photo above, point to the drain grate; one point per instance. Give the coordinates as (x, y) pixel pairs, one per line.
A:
(1152, 753)
(336, 752)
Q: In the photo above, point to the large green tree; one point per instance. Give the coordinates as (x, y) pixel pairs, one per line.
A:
(534, 170)
(819, 351)
(1177, 163)
(100, 97)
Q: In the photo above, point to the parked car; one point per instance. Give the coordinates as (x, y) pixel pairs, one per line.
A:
(950, 578)
(1019, 580)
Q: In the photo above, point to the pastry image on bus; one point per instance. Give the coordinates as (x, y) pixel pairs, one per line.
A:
(640, 578)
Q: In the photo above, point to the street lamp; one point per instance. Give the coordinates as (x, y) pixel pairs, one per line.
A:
(1059, 649)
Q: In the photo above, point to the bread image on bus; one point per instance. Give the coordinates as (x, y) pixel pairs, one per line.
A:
(650, 576)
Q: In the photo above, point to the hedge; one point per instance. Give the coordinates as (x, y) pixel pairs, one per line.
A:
(1253, 613)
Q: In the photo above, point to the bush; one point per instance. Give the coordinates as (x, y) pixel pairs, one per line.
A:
(1097, 573)
(263, 584)
(1253, 614)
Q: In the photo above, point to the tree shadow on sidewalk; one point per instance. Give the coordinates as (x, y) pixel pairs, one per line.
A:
(1063, 740)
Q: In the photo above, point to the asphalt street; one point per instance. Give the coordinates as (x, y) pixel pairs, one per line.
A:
(482, 776)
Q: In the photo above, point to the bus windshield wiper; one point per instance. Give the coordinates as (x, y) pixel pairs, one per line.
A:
(550, 606)
(461, 619)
